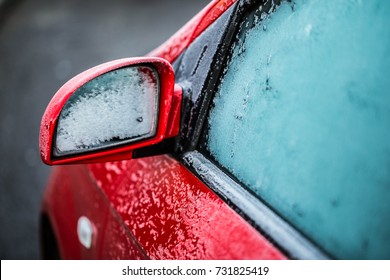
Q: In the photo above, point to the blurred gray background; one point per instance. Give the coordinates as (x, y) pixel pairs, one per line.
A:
(43, 43)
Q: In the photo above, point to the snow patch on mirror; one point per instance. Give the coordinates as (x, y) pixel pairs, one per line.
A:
(117, 107)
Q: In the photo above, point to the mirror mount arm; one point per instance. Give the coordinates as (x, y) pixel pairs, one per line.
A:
(173, 127)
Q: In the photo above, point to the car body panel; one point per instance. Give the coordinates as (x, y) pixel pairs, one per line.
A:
(173, 215)
(152, 207)
(175, 45)
(71, 194)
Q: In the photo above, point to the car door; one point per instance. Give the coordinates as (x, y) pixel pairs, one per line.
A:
(256, 172)
(164, 209)
(296, 137)
(198, 72)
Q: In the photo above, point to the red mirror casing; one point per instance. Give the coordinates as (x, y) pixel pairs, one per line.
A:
(168, 114)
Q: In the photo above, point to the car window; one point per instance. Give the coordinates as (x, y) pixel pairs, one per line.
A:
(301, 117)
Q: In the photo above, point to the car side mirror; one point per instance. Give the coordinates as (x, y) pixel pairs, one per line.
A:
(111, 110)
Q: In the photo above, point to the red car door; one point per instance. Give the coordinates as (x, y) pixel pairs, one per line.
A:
(152, 207)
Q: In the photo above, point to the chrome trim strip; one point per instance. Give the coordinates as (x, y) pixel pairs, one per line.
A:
(272, 225)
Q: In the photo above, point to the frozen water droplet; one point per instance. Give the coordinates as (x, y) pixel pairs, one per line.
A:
(269, 59)
(308, 29)
(140, 119)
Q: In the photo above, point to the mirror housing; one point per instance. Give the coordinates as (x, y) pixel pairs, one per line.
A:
(163, 114)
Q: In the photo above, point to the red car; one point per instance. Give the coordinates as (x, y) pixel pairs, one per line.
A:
(260, 130)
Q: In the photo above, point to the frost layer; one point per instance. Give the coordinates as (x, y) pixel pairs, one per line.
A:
(116, 106)
(302, 117)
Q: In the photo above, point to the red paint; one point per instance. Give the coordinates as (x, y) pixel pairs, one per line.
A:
(151, 207)
(174, 114)
(53, 110)
(59, 205)
(118, 242)
(173, 215)
(175, 45)
(72, 193)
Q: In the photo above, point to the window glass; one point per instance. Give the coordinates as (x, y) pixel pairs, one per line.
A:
(302, 117)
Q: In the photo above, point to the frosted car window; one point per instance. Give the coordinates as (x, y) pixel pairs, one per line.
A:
(117, 107)
(302, 117)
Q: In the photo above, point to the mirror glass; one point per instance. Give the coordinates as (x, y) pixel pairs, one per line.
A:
(116, 108)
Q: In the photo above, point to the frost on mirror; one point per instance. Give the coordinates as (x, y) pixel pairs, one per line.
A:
(302, 117)
(115, 108)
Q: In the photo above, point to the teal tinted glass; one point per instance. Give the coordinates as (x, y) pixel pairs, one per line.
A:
(302, 117)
